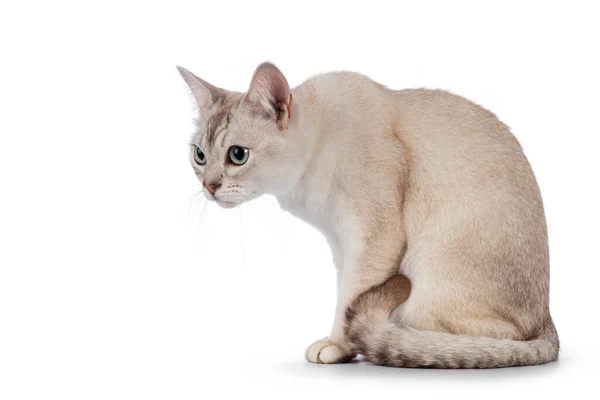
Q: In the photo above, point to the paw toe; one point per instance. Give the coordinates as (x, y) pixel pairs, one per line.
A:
(324, 352)
(331, 354)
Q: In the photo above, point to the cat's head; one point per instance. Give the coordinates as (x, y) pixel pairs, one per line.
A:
(242, 148)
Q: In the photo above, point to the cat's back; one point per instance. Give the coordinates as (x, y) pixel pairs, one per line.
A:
(423, 114)
(453, 144)
(440, 114)
(468, 172)
(457, 138)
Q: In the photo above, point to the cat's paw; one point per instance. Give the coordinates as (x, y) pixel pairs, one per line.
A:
(324, 352)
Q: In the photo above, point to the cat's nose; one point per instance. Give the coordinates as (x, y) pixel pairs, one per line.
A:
(211, 187)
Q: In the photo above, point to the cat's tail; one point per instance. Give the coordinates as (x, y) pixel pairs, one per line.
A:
(369, 332)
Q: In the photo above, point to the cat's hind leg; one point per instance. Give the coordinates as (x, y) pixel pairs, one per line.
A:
(374, 263)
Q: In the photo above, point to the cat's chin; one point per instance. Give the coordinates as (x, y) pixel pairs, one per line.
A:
(225, 204)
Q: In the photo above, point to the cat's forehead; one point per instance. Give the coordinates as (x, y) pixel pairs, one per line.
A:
(212, 129)
(228, 125)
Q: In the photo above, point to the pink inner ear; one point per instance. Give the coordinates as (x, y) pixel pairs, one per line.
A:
(269, 89)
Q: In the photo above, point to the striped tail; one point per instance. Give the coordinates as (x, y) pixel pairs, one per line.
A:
(370, 334)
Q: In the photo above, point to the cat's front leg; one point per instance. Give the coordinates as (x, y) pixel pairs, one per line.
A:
(360, 272)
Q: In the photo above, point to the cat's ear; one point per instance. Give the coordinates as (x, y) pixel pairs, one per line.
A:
(270, 93)
(204, 93)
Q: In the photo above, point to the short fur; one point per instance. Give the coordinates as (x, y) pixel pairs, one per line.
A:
(416, 182)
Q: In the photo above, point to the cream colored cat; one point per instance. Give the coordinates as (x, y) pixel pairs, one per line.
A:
(420, 183)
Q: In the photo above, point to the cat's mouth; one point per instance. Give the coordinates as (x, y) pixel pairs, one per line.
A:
(220, 202)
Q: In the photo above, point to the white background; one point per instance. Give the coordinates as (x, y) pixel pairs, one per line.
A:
(116, 283)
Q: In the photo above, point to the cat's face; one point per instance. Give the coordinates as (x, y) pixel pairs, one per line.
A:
(240, 150)
(238, 155)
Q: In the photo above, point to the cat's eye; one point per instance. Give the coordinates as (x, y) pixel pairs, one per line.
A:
(199, 156)
(238, 155)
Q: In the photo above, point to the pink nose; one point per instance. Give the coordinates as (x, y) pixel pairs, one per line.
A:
(212, 188)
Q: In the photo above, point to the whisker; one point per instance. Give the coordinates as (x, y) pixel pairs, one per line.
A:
(239, 211)
(199, 232)
(195, 203)
(197, 200)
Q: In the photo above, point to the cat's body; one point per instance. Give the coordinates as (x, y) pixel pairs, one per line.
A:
(421, 183)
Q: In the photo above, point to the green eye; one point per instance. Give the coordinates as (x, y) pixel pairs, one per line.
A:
(199, 156)
(238, 155)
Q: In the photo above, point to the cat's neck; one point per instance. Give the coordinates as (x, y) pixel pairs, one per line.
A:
(311, 195)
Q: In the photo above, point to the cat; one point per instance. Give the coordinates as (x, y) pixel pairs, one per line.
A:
(431, 210)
